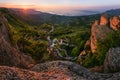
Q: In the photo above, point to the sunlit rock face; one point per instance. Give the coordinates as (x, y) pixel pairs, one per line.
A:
(99, 31)
(115, 23)
(104, 20)
(93, 38)
(9, 55)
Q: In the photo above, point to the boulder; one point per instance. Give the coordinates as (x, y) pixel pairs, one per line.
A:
(112, 60)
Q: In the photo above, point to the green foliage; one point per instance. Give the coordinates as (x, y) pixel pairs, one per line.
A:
(75, 51)
(80, 39)
(32, 39)
(90, 60)
(46, 57)
(96, 59)
(112, 40)
(13, 34)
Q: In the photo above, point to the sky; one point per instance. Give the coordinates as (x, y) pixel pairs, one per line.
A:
(61, 5)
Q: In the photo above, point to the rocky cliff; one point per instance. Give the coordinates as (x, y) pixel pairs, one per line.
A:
(10, 56)
(99, 31)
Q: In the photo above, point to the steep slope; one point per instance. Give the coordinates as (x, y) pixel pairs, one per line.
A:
(8, 54)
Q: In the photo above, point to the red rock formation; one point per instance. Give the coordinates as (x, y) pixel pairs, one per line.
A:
(93, 38)
(99, 31)
(104, 20)
(115, 23)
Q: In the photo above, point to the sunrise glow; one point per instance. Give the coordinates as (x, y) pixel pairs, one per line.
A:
(56, 6)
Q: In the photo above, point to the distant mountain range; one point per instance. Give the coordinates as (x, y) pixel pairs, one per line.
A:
(113, 12)
(62, 12)
(68, 13)
(78, 12)
(34, 17)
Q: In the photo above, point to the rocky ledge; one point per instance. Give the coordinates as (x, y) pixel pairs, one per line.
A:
(55, 70)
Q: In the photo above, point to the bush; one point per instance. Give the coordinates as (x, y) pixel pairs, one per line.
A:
(75, 51)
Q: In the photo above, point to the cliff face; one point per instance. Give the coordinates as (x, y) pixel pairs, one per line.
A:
(100, 29)
(8, 54)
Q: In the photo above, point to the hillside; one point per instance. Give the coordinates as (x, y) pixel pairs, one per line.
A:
(59, 52)
(33, 39)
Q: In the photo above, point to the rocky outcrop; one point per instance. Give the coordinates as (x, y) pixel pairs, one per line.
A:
(101, 29)
(93, 34)
(55, 70)
(112, 60)
(8, 54)
(115, 23)
(99, 32)
(104, 20)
